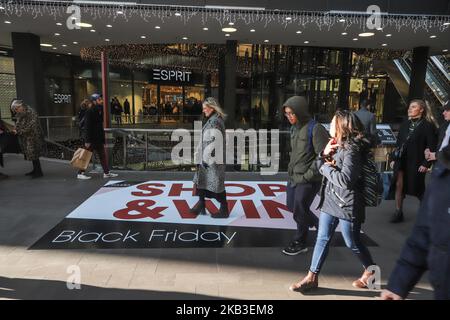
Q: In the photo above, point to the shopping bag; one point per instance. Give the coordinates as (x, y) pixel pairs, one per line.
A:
(388, 185)
(81, 159)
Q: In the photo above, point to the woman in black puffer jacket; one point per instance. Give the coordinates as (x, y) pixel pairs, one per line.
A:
(342, 199)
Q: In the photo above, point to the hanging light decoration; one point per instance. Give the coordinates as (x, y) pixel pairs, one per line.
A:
(321, 19)
(145, 56)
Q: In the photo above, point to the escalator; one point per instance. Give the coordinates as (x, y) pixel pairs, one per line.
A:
(437, 89)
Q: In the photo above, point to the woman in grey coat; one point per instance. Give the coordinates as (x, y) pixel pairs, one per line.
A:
(209, 179)
(31, 137)
(341, 198)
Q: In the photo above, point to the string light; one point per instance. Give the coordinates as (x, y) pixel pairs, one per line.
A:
(320, 19)
(193, 56)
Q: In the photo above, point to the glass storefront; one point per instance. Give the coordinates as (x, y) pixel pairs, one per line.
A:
(266, 75)
(170, 103)
(7, 85)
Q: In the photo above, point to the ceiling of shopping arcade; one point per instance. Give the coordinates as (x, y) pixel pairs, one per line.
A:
(303, 23)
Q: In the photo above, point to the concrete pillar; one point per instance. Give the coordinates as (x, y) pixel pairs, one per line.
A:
(29, 71)
(229, 97)
(105, 90)
(221, 80)
(418, 72)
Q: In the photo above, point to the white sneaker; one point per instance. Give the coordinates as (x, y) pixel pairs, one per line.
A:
(110, 175)
(82, 176)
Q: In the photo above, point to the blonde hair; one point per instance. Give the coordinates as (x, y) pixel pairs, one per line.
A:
(427, 113)
(212, 103)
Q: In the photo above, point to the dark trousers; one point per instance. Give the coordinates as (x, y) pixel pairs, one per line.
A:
(202, 193)
(37, 166)
(299, 199)
(101, 152)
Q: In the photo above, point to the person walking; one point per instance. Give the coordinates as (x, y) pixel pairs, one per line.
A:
(427, 248)
(209, 179)
(416, 134)
(127, 111)
(85, 105)
(31, 136)
(444, 132)
(341, 197)
(308, 139)
(369, 122)
(3, 143)
(95, 136)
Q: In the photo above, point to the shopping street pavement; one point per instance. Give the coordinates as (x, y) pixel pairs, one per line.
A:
(30, 208)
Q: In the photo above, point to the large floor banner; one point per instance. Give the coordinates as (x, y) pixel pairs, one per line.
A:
(155, 214)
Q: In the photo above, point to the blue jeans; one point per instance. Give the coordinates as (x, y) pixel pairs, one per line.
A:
(351, 234)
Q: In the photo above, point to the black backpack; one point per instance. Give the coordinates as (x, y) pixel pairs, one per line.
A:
(372, 182)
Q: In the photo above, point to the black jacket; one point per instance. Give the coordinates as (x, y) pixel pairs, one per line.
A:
(95, 134)
(428, 246)
(341, 194)
(441, 134)
(423, 137)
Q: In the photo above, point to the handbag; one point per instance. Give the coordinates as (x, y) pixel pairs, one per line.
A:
(388, 185)
(399, 152)
(81, 159)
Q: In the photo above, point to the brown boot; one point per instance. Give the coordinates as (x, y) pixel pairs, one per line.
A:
(363, 281)
(311, 281)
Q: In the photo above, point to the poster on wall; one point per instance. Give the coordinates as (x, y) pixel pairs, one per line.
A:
(155, 214)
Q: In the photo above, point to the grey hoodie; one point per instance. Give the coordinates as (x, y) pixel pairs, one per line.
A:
(302, 167)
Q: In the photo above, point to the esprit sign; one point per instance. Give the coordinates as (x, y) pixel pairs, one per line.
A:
(171, 75)
(59, 98)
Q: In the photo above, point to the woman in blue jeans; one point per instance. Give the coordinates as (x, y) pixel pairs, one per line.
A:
(341, 197)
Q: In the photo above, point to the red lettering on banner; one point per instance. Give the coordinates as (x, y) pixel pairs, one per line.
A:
(269, 189)
(177, 188)
(211, 207)
(250, 209)
(141, 206)
(273, 208)
(183, 208)
(150, 188)
(247, 190)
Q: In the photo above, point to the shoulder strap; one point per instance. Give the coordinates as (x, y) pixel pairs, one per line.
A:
(311, 125)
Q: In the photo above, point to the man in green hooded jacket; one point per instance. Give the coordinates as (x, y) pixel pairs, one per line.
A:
(308, 140)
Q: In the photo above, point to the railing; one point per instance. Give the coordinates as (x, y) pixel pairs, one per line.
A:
(156, 118)
(63, 128)
(60, 128)
(141, 149)
(151, 149)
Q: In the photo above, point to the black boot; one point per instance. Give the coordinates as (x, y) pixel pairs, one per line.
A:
(30, 173)
(223, 211)
(397, 217)
(199, 208)
(37, 171)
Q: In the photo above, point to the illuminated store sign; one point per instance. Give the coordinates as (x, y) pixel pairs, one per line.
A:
(171, 75)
